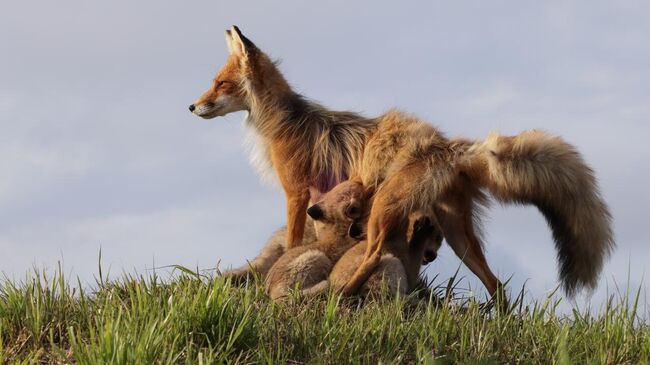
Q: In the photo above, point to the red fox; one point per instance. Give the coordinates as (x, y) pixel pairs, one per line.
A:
(410, 165)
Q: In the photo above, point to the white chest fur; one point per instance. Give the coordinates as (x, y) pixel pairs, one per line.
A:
(259, 154)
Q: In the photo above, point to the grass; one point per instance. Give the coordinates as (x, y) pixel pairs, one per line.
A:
(194, 319)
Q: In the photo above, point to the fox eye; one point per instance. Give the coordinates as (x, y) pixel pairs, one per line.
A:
(219, 83)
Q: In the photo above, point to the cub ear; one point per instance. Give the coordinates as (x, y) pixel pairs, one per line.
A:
(315, 212)
(238, 44)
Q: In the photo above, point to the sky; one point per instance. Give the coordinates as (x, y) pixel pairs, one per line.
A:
(99, 152)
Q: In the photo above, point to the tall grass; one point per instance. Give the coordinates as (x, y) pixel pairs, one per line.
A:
(194, 319)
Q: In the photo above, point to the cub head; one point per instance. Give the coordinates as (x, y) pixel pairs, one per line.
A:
(424, 237)
(338, 209)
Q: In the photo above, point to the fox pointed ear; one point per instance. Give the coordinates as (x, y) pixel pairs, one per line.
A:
(229, 41)
(238, 44)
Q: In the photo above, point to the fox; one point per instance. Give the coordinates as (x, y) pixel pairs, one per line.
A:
(307, 265)
(399, 266)
(311, 149)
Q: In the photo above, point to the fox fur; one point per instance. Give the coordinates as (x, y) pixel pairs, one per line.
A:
(541, 169)
(410, 166)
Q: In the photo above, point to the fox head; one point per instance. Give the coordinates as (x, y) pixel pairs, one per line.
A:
(227, 94)
(339, 209)
(245, 67)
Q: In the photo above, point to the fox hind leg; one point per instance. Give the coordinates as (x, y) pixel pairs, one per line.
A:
(385, 218)
(459, 233)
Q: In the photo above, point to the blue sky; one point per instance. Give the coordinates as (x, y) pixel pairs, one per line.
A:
(98, 150)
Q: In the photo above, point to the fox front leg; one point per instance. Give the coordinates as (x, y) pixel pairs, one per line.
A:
(296, 217)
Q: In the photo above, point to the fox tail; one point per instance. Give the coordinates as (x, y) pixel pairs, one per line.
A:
(541, 169)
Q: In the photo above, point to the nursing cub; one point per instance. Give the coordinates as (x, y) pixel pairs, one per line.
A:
(336, 253)
(307, 265)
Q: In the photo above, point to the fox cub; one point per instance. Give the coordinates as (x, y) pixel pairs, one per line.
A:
(309, 264)
(400, 263)
(339, 232)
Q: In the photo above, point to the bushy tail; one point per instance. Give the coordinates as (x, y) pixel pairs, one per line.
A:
(540, 169)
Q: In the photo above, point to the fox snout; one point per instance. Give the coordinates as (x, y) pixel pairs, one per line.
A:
(315, 212)
(207, 105)
(211, 109)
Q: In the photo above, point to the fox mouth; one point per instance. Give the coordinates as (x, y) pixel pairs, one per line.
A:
(217, 108)
(207, 111)
(209, 115)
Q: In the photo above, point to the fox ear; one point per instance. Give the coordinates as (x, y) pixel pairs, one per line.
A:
(237, 43)
(353, 210)
(229, 41)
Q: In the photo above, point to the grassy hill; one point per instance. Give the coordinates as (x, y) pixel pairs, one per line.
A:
(200, 320)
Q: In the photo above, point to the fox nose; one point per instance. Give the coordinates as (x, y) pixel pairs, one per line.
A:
(192, 107)
(315, 212)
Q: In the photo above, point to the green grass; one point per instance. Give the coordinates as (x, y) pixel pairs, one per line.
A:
(200, 320)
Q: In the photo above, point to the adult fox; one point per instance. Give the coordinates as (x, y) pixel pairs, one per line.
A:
(311, 149)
